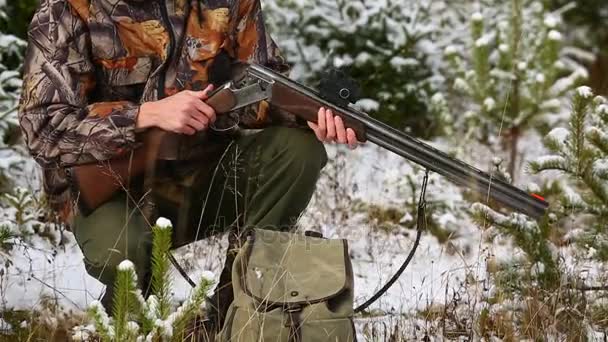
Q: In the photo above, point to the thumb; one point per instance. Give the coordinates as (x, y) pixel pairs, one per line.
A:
(204, 94)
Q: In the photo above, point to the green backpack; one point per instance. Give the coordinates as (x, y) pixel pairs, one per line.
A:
(290, 287)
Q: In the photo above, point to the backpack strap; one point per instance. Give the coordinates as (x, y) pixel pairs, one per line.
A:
(294, 323)
(420, 226)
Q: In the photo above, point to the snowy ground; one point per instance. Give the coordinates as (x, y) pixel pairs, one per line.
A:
(439, 272)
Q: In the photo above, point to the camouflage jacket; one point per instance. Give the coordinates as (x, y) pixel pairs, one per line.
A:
(91, 63)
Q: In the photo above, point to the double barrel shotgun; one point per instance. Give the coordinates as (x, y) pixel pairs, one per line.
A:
(252, 84)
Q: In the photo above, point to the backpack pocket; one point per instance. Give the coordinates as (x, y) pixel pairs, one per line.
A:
(290, 287)
(245, 325)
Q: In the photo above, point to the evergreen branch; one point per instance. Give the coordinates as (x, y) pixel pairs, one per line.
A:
(123, 305)
(580, 107)
(597, 186)
(557, 141)
(143, 310)
(598, 139)
(101, 321)
(191, 307)
(161, 281)
(549, 163)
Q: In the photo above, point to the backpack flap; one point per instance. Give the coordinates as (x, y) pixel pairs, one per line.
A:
(284, 269)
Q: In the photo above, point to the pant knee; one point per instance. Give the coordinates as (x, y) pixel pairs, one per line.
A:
(106, 240)
(302, 149)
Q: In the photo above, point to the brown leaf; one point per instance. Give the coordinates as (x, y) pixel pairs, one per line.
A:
(143, 39)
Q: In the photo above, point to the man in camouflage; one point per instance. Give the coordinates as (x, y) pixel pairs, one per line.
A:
(100, 72)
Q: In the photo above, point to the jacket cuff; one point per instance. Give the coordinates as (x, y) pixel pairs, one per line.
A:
(125, 122)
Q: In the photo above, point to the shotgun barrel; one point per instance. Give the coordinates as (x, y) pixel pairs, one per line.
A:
(304, 102)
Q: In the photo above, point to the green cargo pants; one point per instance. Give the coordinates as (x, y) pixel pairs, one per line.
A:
(264, 180)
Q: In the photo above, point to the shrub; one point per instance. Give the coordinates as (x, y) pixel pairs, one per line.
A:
(137, 319)
(579, 153)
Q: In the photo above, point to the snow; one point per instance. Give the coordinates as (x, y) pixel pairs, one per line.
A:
(554, 35)
(450, 50)
(489, 104)
(126, 265)
(483, 41)
(600, 167)
(522, 66)
(584, 92)
(533, 188)
(559, 134)
(208, 275)
(477, 17)
(540, 78)
(551, 21)
(102, 317)
(461, 85)
(5, 327)
(164, 223)
(551, 160)
(564, 84)
(368, 105)
(399, 62)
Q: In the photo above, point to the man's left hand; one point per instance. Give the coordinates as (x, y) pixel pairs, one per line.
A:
(330, 128)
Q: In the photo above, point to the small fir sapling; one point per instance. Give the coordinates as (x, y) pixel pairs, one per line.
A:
(513, 72)
(154, 319)
(531, 237)
(579, 153)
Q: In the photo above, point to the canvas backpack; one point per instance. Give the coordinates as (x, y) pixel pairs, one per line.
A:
(291, 287)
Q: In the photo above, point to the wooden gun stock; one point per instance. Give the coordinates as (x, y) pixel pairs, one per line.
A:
(307, 108)
(97, 183)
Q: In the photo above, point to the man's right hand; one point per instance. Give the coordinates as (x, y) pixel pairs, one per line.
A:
(185, 112)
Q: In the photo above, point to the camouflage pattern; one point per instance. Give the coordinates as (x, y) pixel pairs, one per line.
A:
(91, 63)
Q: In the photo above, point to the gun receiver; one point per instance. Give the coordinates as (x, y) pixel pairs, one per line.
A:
(255, 83)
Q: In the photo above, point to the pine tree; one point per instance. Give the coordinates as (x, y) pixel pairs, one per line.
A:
(512, 71)
(155, 319)
(579, 153)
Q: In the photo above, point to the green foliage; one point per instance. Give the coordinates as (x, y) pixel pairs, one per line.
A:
(17, 17)
(135, 318)
(580, 154)
(533, 238)
(161, 281)
(378, 43)
(7, 238)
(511, 73)
(590, 14)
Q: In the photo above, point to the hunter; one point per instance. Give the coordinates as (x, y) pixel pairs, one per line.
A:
(99, 73)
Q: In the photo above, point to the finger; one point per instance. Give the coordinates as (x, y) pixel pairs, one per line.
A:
(322, 127)
(315, 128)
(199, 122)
(187, 130)
(198, 117)
(206, 110)
(331, 126)
(351, 137)
(197, 125)
(203, 94)
(340, 130)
